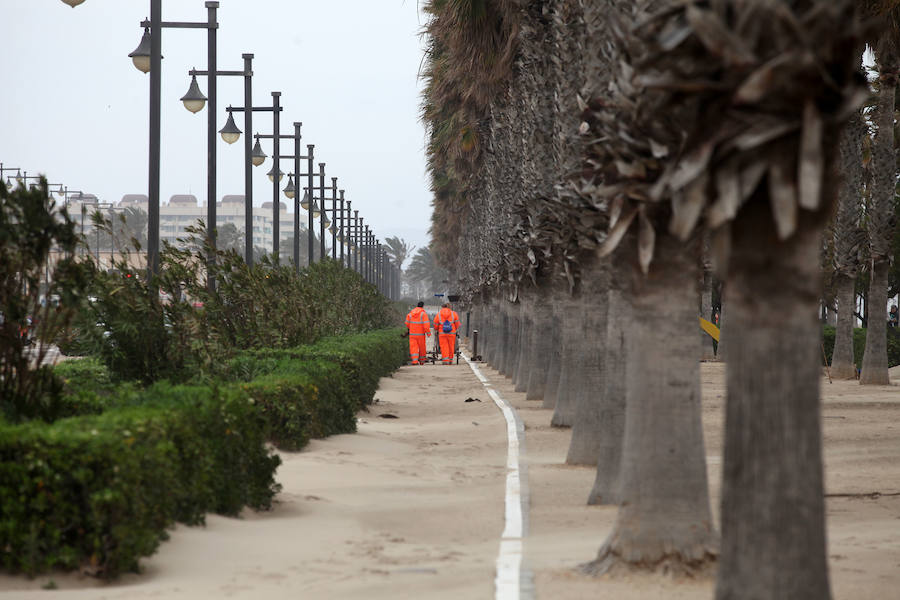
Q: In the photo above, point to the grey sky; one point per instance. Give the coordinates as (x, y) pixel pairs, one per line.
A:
(74, 107)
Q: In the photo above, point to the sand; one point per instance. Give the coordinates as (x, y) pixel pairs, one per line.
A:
(412, 507)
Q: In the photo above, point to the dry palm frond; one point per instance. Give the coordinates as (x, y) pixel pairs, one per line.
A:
(713, 99)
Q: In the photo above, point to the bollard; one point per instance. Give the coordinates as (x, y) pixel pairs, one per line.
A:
(475, 345)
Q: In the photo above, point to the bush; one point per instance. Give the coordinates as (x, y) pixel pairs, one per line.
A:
(261, 306)
(98, 492)
(36, 301)
(315, 391)
(859, 344)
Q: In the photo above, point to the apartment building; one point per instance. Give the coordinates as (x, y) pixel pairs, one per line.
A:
(183, 210)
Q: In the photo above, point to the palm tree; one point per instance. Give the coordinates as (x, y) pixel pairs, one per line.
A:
(879, 213)
(398, 250)
(761, 178)
(424, 269)
(848, 238)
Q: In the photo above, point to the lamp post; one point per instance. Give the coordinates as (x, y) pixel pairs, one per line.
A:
(194, 102)
(147, 57)
(293, 187)
(341, 229)
(254, 157)
(4, 169)
(358, 231)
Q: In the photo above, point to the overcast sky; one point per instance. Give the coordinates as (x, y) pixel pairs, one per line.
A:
(75, 108)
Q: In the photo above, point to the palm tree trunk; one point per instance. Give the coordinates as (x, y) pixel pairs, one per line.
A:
(723, 332)
(541, 356)
(554, 367)
(664, 522)
(515, 335)
(843, 364)
(875, 360)
(590, 403)
(607, 483)
(879, 216)
(706, 342)
(525, 340)
(572, 336)
(773, 505)
(504, 337)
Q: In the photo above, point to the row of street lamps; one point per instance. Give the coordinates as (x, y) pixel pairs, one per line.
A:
(364, 252)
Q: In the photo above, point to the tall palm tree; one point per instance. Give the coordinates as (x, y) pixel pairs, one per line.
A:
(712, 122)
(398, 250)
(880, 211)
(848, 238)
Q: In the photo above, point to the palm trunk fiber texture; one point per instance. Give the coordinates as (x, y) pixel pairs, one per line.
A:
(585, 443)
(843, 363)
(773, 504)
(664, 522)
(875, 359)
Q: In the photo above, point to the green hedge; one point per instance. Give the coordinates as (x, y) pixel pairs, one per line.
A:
(315, 391)
(98, 492)
(859, 344)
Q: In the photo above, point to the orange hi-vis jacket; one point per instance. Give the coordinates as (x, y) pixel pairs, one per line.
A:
(417, 322)
(446, 314)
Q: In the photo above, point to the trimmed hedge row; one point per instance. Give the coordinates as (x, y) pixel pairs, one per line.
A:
(315, 391)
(98, 491)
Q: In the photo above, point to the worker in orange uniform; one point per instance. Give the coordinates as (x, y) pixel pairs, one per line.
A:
(418, 328)
(446, 323)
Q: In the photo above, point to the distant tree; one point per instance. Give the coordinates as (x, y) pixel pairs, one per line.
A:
(229, 237)
(424, 271)
(398, 250)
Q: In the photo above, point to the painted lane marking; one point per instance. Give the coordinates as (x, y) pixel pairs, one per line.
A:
(510, 577)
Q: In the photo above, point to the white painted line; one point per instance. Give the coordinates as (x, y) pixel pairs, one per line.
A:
(508, 580)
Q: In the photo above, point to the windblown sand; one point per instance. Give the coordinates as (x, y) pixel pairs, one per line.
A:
(412, 507)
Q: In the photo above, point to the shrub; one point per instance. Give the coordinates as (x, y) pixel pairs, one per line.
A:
(97, 492)
(314, 391)
(32, 292)
(859, 344)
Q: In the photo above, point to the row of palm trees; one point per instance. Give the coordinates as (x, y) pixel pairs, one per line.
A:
(590, 160)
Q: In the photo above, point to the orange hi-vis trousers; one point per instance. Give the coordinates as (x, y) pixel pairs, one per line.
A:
(448, 343)
(417, 350)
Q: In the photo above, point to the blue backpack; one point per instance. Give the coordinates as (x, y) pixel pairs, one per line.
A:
(447, 326)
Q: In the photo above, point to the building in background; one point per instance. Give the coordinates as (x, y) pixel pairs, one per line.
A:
(183, 210)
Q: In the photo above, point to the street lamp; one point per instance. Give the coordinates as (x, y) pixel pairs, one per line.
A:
(230, 133)
(289, 190)
(140, 56)
(252, 157)
(292, 186)
(3, 169)
(72, 3)
(257, 156)
(273, 172)
(194, 100)
(147, 58)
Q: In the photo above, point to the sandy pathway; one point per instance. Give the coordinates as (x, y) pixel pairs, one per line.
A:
(410, 507)
(413, 507)
(862, 455)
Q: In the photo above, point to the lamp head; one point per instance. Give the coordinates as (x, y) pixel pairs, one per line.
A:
(315, 210)
(257, 157)
(273, 172)
(230, 133)
(289, 190)
(194, 100)
(141, 55)
(304, 203)
(72, 3)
